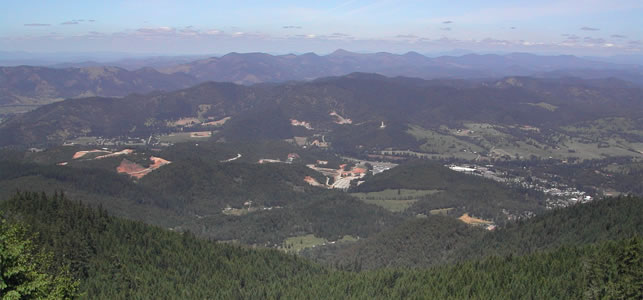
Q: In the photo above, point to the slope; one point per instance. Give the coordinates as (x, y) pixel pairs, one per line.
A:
(114, 258)
(26, 85)
(364, 99)
(461, 193)
(439, 240)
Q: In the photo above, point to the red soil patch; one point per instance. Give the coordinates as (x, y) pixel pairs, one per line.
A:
(312, 181)
(472, 220)
(158, 162)
(132, 169)
(137, 171)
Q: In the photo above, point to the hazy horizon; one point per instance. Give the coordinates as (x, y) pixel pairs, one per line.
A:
(581, 28)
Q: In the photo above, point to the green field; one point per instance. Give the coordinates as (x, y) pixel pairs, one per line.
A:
(180, 137)
(442, 144)
(394, 200)
(610, 137)
(441, 211)
(297, 243)
(572, 147)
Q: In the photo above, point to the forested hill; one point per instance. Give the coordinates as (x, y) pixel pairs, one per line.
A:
(359, 99)
(118, 259)
(209, 197)
(439, 240)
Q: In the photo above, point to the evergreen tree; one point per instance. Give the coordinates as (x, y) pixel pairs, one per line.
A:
(26, 273)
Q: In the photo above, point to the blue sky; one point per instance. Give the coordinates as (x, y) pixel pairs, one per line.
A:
(582, 27)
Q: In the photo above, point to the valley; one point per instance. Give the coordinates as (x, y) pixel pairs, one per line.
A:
(340, 178)
(354, 150)
(222, 160)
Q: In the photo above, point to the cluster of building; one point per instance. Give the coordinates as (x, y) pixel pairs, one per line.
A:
(304, 124)
(341, 178)
(289, 160)
(559, 194)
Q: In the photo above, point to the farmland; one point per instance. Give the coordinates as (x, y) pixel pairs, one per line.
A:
(394, 200)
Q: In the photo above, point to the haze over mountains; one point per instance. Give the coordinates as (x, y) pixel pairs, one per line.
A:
(321, 150)
(260, 67)
(26, 85)
(29, 87)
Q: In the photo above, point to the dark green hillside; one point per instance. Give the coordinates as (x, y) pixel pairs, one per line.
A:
(198, 179)
(416, 243)
(464, 193)
(267, 203)
(118, 259)
(370, 137)
(115, 192)
(213, 186)
(440, 240)
(607, 219)
(114, 258)
(265, 122)
(610, 270)
(91, 180)
(329, 215)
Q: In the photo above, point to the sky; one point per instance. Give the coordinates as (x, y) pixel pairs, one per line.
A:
(579, 27)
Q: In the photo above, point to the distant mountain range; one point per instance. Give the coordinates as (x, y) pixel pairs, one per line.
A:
(25, 85)
(252, 68)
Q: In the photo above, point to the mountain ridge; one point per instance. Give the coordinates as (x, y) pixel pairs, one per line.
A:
(364, 98)
(33, 85)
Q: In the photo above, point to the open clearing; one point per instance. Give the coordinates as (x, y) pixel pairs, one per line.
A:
(442, 143)
(179, 137)
(441, 211)
(610, 137)
(137, 171)
(393, 199)
(297, 243)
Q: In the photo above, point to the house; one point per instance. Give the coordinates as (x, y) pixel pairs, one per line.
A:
(292, 157)
(319, 144)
